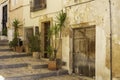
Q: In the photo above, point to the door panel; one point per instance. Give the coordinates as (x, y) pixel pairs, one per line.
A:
(84, 51)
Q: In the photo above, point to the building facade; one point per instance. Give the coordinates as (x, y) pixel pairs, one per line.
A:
(85, 44)
(39, 15)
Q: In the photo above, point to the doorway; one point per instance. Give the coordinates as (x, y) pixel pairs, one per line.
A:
(84, 51)
(4, 20)
(45, 42)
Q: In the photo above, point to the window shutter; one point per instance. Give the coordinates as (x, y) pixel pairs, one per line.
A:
(37, 5)
(43, 3)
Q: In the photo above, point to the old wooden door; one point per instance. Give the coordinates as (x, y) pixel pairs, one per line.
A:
(84, 51)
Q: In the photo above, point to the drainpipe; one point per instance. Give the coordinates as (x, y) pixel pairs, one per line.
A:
(110, 14)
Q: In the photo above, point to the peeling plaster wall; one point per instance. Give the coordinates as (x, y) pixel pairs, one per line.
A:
(102, 34)
(65, 52)
(102, 72)
(92, 12)
(116, 39)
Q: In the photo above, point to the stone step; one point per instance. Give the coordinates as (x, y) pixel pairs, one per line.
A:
(9, 55)
(2, 37)
(5, 47)
(18, 65)
(30, 74)
(4, 43)
(6, 66)
(39, 66)
(23, 62)
(4, 50)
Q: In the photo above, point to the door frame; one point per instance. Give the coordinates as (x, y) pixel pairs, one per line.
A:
(72, 56)
(42, 21)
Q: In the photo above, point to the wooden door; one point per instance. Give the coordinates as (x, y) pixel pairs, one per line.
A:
(84, 51)
(45, 42)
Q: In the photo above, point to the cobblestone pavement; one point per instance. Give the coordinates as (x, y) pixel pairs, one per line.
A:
(67, 77)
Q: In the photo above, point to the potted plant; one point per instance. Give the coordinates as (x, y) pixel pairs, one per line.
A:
(16, 42)
(52, 62)
(34, 45)
(55, 30)
(4, 31)
(12, 45)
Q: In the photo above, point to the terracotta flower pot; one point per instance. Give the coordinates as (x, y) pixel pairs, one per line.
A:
(52, 65)
(19, 49)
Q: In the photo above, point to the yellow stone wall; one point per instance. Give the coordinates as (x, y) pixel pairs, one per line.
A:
(32, 19)
(96, 12)
(116, 40)
(16, 12)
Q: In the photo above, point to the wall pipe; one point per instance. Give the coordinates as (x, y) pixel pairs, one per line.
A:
(110, 14)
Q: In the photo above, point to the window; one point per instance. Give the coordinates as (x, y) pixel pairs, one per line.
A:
(37, 5)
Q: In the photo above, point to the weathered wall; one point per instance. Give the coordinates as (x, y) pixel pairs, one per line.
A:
(92, 12)
(15, 12)
(32, 19)
(14, 5)
(14, 15)
(116, 39)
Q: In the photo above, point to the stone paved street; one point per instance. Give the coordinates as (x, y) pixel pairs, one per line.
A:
(67, 77)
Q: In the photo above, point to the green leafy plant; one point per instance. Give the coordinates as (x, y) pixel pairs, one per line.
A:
(4, 31)
(16, 41)
(16, 25)
(50, 51)
(34, 43)
(55, 30)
